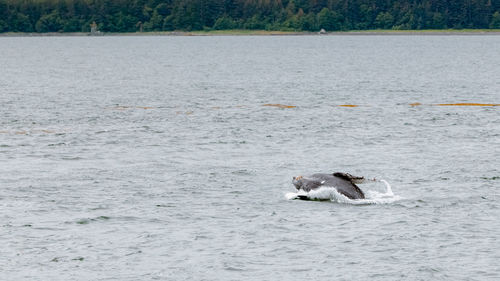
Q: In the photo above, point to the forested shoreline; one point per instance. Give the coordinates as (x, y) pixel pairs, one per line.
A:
(276, 15)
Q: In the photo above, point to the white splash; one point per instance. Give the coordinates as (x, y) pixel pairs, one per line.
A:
(388, 188)
(330, 193)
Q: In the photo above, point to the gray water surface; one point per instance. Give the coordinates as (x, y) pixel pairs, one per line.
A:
(153, 158)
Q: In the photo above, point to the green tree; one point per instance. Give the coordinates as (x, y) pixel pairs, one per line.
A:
(224, 22)
(20, 22)
(186, 16)
(384, 20)
(254, 23)
(121, 22)
(72, 25)
(290, 8)
(155, 23)
(292, 23)
(3, 26)
(438, 21)
(308, 22)
(168, 23)
(164, 9)
(495, 20)
(366, 17)
(328, 20)
(49, 23)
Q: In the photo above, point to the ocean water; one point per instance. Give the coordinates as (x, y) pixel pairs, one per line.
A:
(154, 158)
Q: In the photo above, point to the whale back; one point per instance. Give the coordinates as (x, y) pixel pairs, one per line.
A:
(343, 184)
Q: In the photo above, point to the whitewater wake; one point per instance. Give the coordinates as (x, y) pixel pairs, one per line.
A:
(331, 194)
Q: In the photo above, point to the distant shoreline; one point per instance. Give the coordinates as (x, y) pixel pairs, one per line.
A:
(263, 33)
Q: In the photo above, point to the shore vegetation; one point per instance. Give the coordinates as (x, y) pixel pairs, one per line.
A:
(44, 16)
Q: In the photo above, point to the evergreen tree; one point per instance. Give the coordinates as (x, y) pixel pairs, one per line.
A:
(328, 20)
(155, 23)
(49, 23)
(495, 21)
(384, 20)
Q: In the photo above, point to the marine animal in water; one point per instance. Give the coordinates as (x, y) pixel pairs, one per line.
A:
(344, 183)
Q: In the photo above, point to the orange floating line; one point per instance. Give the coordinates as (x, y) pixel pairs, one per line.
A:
(120, 107)
(468, 104)
(279, 105)
(348, 105)
(415, 104)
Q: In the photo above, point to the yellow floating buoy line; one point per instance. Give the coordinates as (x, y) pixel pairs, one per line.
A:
(287, 106)
(279, 105)
(438, 104)
(468, 104)
(458, 104)
(411, 104)
(294, 106)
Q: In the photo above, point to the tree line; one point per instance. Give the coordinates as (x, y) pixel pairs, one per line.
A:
(285, 15)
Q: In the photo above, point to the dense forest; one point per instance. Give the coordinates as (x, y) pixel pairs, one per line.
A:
(287, 15)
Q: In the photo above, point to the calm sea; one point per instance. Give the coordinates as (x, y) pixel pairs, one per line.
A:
(153, 158)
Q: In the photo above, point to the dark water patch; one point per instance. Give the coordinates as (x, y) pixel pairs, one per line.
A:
(237, 192)
(232, 268)
(494, 178)
(57, 144)
(243, 172)
(166, 205)
(89, 220)
(301, 269)
(134, 253)
(100, 207)
(72, 158)
(48, 229)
